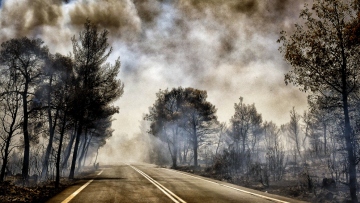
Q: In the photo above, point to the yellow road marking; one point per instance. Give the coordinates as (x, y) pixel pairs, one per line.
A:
(68, 199)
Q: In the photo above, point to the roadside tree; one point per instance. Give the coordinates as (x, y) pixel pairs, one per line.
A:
(25, 59)
(324, 54)
(96, 83)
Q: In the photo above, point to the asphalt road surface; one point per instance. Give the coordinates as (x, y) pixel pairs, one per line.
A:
(148, 183)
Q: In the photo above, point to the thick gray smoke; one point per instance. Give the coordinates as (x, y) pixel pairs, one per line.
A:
(225, 47)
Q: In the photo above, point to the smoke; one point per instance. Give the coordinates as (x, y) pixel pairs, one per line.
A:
(119, 16)
(128, 148)
(147, 10)
(20, 18)
(225, 47)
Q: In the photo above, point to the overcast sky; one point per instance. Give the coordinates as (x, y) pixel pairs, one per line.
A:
(226, 47)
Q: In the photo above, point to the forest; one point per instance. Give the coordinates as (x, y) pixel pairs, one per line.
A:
(55, 110)
(316, 149)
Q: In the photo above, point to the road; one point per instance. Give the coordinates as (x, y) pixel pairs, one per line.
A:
(148, 183)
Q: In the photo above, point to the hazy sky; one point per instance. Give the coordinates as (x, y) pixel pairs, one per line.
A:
(226, 47)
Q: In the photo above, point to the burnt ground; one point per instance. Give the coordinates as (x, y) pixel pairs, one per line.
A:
(12, 190)
(288, 187)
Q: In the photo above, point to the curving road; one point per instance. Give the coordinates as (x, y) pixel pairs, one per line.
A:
(147, 183)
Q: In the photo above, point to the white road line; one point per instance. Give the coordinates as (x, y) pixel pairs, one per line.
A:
(244, 191)
(68, 199)
(163, 189)
(158, 186)
(167, 190)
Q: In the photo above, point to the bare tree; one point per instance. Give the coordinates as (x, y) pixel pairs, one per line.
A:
(244, 130)
(275, 153)
(294, 133)
(10, 116)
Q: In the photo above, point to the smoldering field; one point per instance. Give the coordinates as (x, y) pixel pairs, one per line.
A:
(227, 48)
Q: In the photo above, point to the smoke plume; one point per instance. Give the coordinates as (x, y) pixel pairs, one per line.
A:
(225, 47)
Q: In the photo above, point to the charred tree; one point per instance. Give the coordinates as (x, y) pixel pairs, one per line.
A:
(97, 85)
(10, 116)
(25, 58)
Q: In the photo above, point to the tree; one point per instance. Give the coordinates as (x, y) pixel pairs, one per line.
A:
(97, 85)
(98, 135)
(51, 93)
(324, 54)
(25, 58)
(312, 131)
(67, 152)
(245, 127)
(182, 115)
(322, 114)
(199, 118)
(222, 134)
(293, 130)
(64, 67)
(275, 153)
(10, 116)
(165, 117)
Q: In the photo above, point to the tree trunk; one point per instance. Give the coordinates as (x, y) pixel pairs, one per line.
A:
(86, 150)
(350, 150)
(175, 152)
(185, 154)
(174, 143)
(84, 147)
(73, 163)
(7, 146)
(180, 156)
(52, 127)
(347, 128)
(195, 147)
(51, 133)
(25, 168)
(81, 150)
(5, 158)
(325, 139)
(97, 153)
(171, 154)
(58, 157)
(242, 162)
(68, 148)
(173, 158)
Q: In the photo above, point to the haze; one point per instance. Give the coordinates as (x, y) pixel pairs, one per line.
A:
(227, 48)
